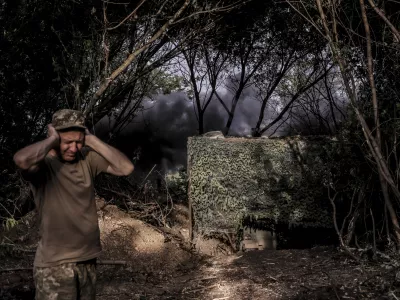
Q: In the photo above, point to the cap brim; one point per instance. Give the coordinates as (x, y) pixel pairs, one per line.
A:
(69, 126)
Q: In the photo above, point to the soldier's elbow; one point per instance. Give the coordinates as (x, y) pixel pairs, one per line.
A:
(129, 169)
(21, 162)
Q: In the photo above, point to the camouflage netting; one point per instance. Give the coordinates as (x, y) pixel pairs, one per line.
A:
(280, 180)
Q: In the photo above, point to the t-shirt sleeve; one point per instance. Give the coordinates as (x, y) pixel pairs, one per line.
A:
(97, 163)
(37, 177)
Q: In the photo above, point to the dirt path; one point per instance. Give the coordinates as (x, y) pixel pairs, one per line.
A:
(285, 274)
(159, 267)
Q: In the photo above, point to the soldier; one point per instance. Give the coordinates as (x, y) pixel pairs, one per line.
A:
(60, 171)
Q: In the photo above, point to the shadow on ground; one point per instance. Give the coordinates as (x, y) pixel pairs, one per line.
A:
(139, 261)
(318, 273)
(157, 264)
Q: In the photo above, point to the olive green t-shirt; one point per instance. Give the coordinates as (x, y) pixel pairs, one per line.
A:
(65, 200)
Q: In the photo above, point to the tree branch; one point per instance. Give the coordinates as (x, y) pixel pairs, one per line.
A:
(217, 9)
(222, 102)
(133, 13)
(371, 72)
(294, 98)
(385, 19)
(106, 83)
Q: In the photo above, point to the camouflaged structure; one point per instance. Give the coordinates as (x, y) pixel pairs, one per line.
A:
(67, 118)
(280, 180)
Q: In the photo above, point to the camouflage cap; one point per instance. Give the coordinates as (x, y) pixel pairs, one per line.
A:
(68, 118)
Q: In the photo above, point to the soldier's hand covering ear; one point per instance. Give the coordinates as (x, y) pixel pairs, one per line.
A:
(51, 131)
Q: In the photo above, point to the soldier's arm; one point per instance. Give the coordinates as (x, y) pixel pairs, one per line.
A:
(120, 165)
(29, 158)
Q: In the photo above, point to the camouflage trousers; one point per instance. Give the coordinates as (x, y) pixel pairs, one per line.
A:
(71, 281)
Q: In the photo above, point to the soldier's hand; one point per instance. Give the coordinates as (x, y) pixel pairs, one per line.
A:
(87, 132)
(52, 132)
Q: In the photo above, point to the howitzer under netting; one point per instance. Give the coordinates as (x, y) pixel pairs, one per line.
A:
(281, 180)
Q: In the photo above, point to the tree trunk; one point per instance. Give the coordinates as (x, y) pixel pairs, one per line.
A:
(201, 122)
(382, 167)
(352, 224)
(232, 112)
(390, 208)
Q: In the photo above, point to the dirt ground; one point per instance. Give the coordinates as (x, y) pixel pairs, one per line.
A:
(141, 261)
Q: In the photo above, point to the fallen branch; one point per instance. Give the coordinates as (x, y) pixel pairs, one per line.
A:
(112, 262)
(201, 289)
(394, 296)
(273, 278)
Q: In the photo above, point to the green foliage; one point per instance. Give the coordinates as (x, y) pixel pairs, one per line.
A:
(10, 223)
(164, 83)
(176, 182)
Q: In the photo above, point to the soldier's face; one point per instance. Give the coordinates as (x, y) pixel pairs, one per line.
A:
(71, 142)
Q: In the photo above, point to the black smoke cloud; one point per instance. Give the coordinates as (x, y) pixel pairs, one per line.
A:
(160, 131)
(158, 135)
